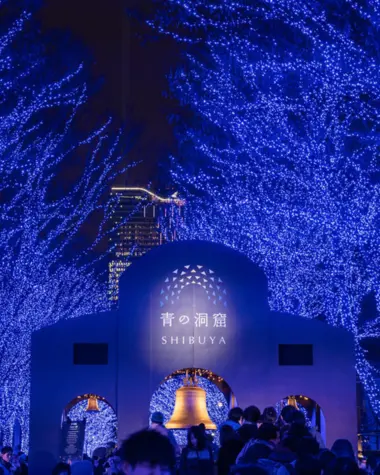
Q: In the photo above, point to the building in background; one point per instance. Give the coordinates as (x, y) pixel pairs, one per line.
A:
(144, 220)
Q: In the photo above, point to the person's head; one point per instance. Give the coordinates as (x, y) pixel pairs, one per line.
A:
(196, 438)
(202, 427)
(251, 414)
(157, 419)
(61, 469)
(236, 415)
(268, 432)
(147, 453)
(269, 416)
(6, 454)
(287, 414)
(299, 418)
(345, 466)
(298, 430)
(342, 448)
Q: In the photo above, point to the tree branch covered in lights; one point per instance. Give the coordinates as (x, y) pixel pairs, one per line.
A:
(281, 157)
(43, 276)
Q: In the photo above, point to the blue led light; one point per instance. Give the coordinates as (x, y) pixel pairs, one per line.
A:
(281, 158)
(43, 277)
(101, 427)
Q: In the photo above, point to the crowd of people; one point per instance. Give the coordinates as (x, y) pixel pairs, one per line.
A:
(251, 443)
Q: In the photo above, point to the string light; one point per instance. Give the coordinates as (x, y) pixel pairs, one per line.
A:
(281, 158)
(43, 277)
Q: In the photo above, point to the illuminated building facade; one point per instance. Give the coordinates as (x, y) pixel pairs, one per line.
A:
(144, 220)
(189, 305)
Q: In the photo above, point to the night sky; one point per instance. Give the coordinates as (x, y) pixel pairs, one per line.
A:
(130, 67)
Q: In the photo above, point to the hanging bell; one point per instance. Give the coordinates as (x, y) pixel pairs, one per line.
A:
(190, 407)
(92, 404)
(292, 401)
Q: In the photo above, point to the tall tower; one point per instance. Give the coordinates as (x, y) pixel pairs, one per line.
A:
(144, 220)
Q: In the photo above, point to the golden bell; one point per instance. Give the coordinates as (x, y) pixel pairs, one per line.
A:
(292, 401)
(92, 404)
(190, 409)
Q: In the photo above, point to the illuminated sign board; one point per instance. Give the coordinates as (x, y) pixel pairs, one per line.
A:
(199, 320)
(193, 308)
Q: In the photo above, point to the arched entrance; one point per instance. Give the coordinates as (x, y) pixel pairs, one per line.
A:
(101, 422)
(219, 398)
(315, 418)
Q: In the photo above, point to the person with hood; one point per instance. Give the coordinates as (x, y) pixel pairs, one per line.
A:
(260, 448)
(157, 424)
(285, 451)
(257, 453)
(248, 430)
(235, 420)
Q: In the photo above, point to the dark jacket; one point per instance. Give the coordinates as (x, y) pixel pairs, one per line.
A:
(283, 455)
(235, 426)
(5, 467)
(23, 469)
(247, 432)
(227, 455)
(167, 433)
(253, 451)
(99, 470)
(196, 462)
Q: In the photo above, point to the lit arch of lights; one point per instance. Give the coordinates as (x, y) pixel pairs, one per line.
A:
(101, 425)
(198, 275)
